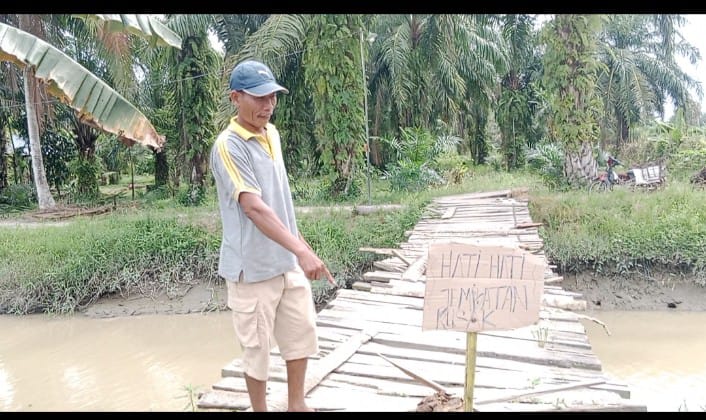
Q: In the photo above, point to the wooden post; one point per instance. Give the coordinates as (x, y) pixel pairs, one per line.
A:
(471, 340)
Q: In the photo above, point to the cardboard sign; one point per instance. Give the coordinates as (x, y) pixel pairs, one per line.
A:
(480, 288)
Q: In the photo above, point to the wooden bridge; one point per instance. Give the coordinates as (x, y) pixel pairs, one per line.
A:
(374, 355)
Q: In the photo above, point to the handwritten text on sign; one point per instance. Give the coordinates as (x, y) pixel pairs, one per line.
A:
(479, 288)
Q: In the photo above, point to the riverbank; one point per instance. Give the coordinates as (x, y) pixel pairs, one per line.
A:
(660, 293)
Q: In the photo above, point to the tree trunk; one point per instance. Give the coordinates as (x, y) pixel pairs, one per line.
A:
(14, 164)
(623, 132)
(3, 161)
(580, 165)
(85, 139)
(44, 197)
(29, 23)
(199, 164)
(161, 168)
(479, 145)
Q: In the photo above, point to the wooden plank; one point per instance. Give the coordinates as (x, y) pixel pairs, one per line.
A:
(548, 375)
(332, 399)
(449, 213)
(383, 386)
(399, 255)
(564, 302)
(362, 285)
(371, 297)
(411, 318)
(382, 276)
(325, 366)
(528, 225)
(443, 374)
(398, 291)
(383, 251)
(414, 375)
(510, 365)
(316, 372)
(389, 265)
(508, 349)
(216, 399)
(416, 270)
(378, 302)
(409, 325)
(237, 384)
(548, 390)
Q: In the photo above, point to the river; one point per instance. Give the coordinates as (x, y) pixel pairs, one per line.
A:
(160, 362)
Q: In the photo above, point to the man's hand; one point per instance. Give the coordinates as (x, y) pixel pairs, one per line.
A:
(314, 268)
(319, 266)
(267, 221)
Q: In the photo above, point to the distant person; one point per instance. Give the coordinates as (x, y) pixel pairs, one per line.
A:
(265, 261)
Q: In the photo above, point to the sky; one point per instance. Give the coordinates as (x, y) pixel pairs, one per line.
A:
(695, 33)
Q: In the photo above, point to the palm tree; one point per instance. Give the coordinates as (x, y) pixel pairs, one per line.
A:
(520, 100)
(430, 67)
(196, 89)
(640, 70)
(10, 79)
(234, 30)
(318, 58)
(35, 98)
(570, 77)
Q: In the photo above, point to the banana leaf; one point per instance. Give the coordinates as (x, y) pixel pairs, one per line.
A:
(145, 26)
(96, 102)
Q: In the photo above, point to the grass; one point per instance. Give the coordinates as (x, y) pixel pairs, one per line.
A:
(625, 231)
(153, 243)
(124, 183)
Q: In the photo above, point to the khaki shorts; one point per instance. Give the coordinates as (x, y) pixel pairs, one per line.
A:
(278, 311)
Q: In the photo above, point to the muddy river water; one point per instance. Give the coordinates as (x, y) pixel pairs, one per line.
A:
(160, 362)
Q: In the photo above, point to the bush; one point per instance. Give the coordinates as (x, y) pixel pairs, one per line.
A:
(191, 196)
(18, 196)
(547, 160)
(61, 269)
(452, 166)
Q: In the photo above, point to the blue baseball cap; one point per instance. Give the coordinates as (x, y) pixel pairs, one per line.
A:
(255, 78)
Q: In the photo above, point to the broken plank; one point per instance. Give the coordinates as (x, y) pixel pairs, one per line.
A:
(399, 255)
(216, 399)
(416, 270)
(382, 276)
(449, 213)
(325, 366)
(389, 265)
(415, 375)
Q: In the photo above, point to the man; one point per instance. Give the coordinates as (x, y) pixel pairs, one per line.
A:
(266, 262)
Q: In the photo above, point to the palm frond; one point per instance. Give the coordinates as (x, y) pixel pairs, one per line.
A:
(146, 26)
(97, 103)
(185, 25)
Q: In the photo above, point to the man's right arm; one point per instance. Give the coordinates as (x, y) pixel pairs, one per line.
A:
(267, 221)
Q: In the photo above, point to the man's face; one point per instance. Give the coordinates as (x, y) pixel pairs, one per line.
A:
(254, 111)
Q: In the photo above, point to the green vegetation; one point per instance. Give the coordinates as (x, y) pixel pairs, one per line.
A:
(625, 231)
(160, 245)
(62, 268)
